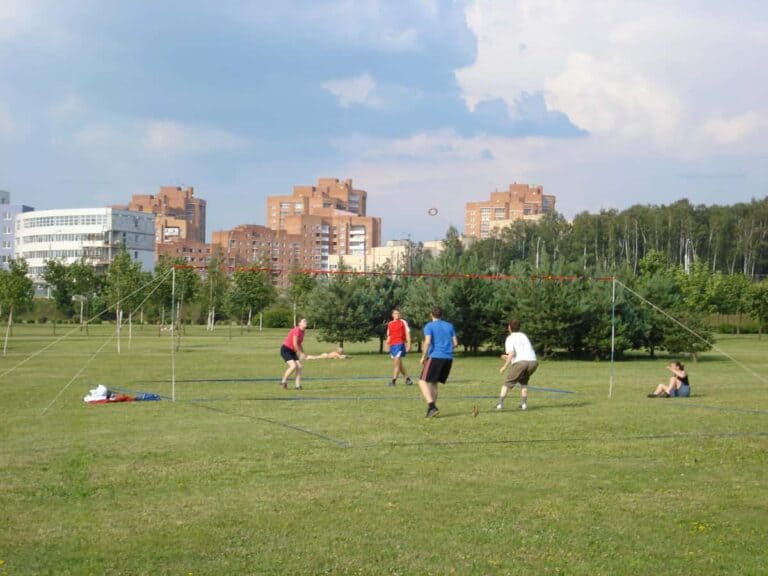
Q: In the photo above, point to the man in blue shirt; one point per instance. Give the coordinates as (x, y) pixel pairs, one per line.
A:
(436, 357)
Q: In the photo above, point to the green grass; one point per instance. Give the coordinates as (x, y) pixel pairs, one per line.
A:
(240, 477)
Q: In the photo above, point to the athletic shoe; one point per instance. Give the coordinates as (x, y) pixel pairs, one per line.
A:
(432, 412)
(284, 385)
(299, 388)
(653, 396)
(408, 382)
(499, 406)
(392, 383)
(523, 406)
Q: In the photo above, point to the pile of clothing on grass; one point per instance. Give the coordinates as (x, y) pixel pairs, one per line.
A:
(103, 395)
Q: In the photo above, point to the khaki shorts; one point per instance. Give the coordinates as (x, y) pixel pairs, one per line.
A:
(520, 372)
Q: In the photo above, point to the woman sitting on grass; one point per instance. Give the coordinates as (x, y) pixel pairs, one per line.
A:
(678, 386)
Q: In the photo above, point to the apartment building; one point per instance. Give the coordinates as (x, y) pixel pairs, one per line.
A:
(396, 254)
(196, 254)
(330, 216)
(305, 228)
(520, 202)
(178, 214)
(327, 197)
(254, 245)
(8, 213)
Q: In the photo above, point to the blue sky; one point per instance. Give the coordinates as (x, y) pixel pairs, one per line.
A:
(422, 103)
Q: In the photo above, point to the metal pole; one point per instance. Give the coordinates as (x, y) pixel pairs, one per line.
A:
(173, 336)
(613, 333)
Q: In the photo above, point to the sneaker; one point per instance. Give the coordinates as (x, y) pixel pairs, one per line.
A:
(299, 388)
(652, 396)
(432, 412)
(499, 406)
(284, 385)
(523, 406)
(408, 382)
(392, 383)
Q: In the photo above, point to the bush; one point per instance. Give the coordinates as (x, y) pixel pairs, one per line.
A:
(746, 327)
(726, 328)
(278, 318)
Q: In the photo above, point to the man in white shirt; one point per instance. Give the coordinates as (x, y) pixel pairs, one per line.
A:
(521, 358)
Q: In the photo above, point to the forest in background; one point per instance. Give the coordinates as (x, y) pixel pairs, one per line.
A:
(729, 239)
(673, 266)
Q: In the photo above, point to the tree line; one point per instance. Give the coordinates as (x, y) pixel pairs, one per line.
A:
(729, 239)
(662, 307)
(674, 267)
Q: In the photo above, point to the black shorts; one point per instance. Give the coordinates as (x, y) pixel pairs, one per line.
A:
(288, 354)
(436, 370)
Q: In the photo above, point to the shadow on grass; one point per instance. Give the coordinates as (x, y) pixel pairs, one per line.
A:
(516, 410)
(561, 440)
(723, 408)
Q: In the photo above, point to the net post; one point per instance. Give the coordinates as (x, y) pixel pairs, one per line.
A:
(613, 333)
(173, 335)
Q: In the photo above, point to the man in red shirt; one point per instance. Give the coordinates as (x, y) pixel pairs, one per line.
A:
(292, 351)
(399, 342)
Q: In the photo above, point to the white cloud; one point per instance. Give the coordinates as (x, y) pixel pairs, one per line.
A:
(7, 126)
(435, 169)
(735, 129)
(364, 22)
(355, 90)
(15, 16)
(424, 148)
(392, 27)
(66, 107)
(156, 138)
(98, 137)
(44, 24)
(608, 97)
(643, 74)
(173, 138)
(446, 170)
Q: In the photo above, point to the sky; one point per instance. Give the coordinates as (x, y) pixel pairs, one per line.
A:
(422, 103)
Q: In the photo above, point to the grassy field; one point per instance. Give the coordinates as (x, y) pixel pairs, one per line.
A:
(238, 476)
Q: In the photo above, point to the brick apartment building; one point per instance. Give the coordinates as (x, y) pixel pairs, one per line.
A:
(256, 245)
(331, 215)
(305, 228)
(194, 253)
(178, 214)
(302, 229)
(520, 202)
(179, 223)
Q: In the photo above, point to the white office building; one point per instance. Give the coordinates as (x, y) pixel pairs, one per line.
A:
(94, 235)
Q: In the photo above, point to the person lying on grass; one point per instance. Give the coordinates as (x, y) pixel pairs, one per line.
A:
(337, 354)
